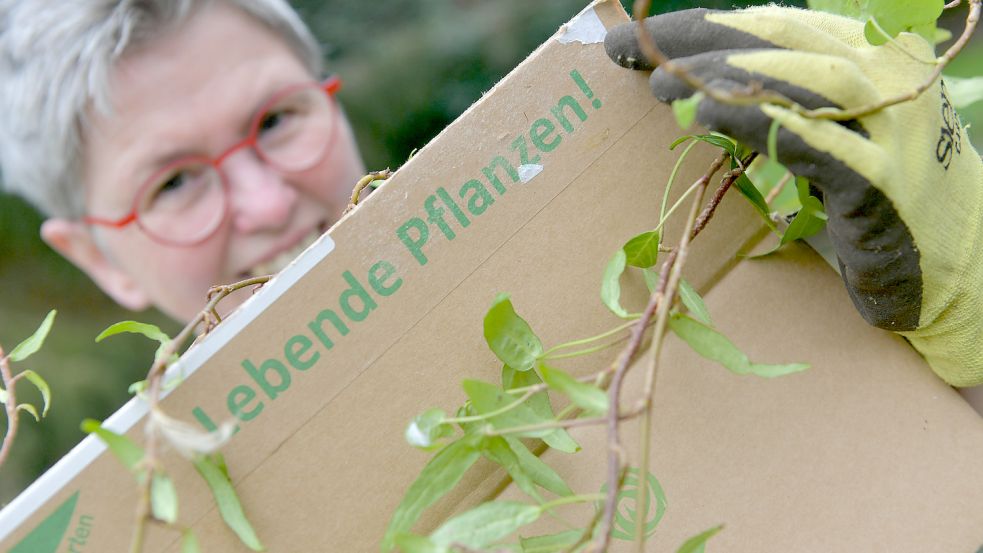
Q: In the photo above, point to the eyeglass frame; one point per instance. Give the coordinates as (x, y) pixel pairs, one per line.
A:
(330, 86)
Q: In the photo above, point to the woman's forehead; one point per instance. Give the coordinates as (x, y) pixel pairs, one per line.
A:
(193, 88)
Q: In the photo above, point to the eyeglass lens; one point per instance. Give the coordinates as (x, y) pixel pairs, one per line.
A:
(188, 201)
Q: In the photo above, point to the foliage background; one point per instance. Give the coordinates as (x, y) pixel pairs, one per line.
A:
(409, 68)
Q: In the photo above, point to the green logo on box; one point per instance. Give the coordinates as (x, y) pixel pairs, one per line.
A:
(51, 532)
(625, 515)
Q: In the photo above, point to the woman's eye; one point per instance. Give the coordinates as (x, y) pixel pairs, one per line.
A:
(168, 188)
(172, 183)
(271, 121)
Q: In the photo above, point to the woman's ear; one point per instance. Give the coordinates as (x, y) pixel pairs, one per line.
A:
(74, 241)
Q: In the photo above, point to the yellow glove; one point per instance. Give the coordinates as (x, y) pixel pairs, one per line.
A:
(903, 188)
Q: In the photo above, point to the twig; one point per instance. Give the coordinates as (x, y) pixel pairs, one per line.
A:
(616, 466)
(667, 289)
(774, 192)
(729, 179)
(362, 184)
(11, 407)
(953, 4)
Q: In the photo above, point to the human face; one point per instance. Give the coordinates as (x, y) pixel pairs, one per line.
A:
(194, 91)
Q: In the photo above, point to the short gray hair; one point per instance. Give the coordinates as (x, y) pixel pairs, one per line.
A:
(56, 57)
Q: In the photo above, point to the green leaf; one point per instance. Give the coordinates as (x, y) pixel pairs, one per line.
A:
(146, 329)
(611, 283)
(694, 303)
(411, 543)
(559, 438)
(427, 429)
(122, 447)
(213, 470)
(651, 279)
(643, 250)
(552, 543)
(713, 345)
(510, 337)
(485, 524)
(753, 195)
(488, 398)
(42, 387)
(498, 451)
(189, 542)
(27, 407)
(964, 92)
(163, 498)
(133, 327)
(685, 110)
(849, 8)
(696, 543)
(31, 345)
(537, 469)
(766, 173)
(715, 139)
(587, 397)
(137, 387)
(438, 477)
(807, 222)
(896, 16)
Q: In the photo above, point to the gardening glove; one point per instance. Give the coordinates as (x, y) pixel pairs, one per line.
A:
(902, 188)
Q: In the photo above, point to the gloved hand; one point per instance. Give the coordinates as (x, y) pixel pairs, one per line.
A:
(903, 188)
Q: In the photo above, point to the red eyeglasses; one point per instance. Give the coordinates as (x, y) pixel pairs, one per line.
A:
(185, 202)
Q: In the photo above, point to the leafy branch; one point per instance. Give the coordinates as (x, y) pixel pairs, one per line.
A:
(520, 408)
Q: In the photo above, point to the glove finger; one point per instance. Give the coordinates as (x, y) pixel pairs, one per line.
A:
(677, 34)
(792, 74)
(690, 32)
(879, 262)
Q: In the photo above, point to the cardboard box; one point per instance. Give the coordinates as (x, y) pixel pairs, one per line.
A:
(530, 192)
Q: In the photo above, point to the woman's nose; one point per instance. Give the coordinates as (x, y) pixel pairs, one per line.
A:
(261, 199)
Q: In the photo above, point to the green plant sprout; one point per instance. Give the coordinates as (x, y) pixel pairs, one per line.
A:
(8, 392)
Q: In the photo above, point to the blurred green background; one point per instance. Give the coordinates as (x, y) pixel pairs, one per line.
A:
(409, 67)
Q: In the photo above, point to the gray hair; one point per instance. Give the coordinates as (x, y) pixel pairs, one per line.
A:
(56, 57)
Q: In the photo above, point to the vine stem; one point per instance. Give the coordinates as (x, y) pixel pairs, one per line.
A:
(11, 407)
(504, 409)
(362, 184)
(583, 341)
(155, 377)
(616, 465)
(753, 94)
(571, 499)
(673, 267)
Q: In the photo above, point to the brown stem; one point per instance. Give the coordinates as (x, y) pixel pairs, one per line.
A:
(363, 183)
(729, 179)
(774, 192)
(616, 466)
(11, 407)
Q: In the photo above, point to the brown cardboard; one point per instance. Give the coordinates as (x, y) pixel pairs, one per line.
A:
(865, 451)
